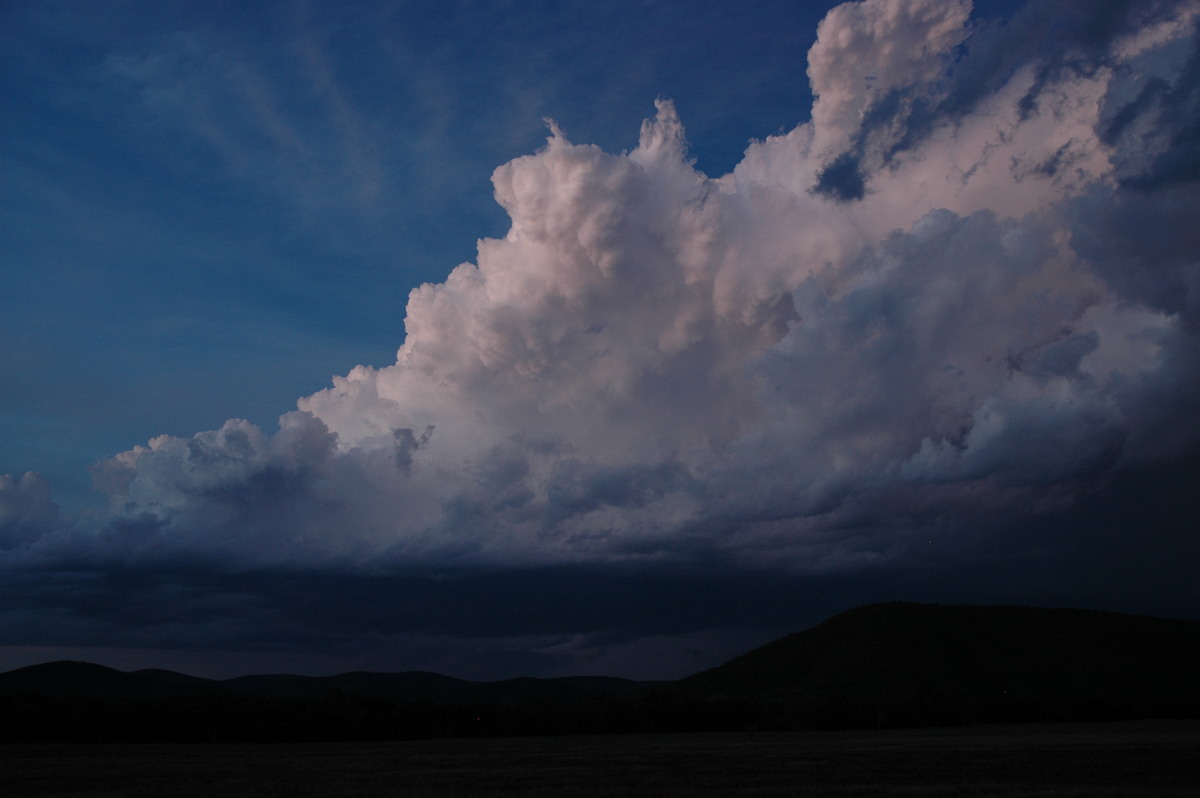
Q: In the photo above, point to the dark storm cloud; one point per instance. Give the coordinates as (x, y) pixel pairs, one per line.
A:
(1152, 118)
(1144, 245)
(1126, 547)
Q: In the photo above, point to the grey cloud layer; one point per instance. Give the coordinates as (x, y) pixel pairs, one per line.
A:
(967, 287)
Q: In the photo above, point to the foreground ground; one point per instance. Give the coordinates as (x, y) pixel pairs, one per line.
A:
(1144, 758)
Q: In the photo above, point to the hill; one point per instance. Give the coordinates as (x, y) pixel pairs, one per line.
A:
(917, 664)
(882, 665)
(82, 702)
(67, 679)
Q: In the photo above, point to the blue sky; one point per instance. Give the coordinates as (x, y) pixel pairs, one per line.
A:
(321, 348)
(209, 209)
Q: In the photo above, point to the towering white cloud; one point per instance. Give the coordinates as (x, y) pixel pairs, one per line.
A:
(864, 51)
(932, 298)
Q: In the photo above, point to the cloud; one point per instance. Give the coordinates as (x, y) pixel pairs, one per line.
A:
(867, 56)
(962, 298)
(652, 360)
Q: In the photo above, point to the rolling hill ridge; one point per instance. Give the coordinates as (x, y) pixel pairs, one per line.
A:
(68, 679)
(881, 665)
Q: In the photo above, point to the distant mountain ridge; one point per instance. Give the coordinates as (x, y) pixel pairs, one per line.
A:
(881, 665)
(68, 679)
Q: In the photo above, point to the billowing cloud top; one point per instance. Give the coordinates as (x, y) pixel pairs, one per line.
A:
(968, 287)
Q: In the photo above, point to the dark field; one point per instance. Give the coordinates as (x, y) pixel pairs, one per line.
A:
(1143, 758)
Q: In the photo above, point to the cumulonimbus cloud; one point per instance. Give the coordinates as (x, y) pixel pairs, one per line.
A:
(967, 286)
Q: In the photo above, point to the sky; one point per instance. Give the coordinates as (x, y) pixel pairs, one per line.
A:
(504, 339)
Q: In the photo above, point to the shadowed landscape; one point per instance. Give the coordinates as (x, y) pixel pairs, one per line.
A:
(1125, 758)
(881, 666)
(886, 699)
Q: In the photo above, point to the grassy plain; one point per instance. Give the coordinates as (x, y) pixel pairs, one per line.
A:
(1142, 758)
